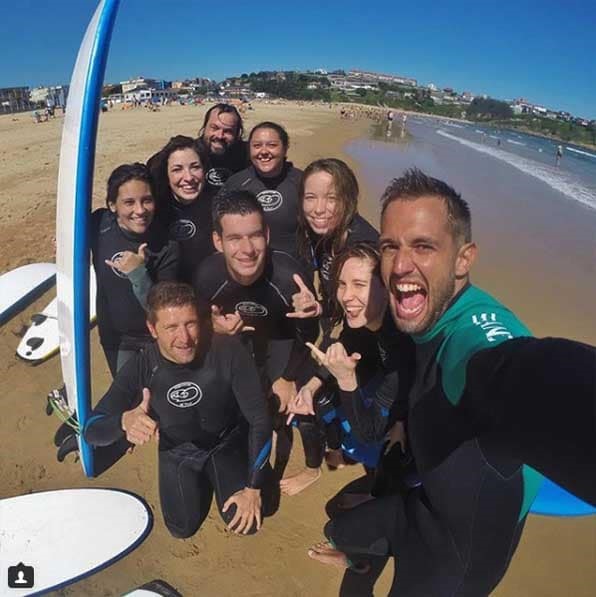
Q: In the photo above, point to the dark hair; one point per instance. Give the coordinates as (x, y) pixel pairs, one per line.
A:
(158, 163)
(169, 294)
(125, 173)
(360, 250)
(224, 109)
(414, 184)
(280, 130)
(346, 189)
(235, 202)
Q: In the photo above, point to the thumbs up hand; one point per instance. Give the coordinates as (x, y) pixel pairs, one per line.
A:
(139, 427)
(128, 261)
(304, 302)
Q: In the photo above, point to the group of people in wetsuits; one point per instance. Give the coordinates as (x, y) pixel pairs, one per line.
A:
(224, 277)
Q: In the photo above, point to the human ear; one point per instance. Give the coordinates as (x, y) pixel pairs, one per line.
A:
(217, 242)
(466, 256)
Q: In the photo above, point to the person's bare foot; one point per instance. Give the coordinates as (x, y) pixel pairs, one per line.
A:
(296, 483)
(335, 459)
(325, 553)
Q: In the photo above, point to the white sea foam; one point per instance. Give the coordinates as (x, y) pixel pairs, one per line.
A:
(515, 142)
(591, 155)
(556, 179)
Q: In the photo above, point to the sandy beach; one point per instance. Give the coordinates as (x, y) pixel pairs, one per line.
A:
(555, 557)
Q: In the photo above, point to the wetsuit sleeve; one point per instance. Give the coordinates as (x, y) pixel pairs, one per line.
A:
(249, 395)
(141, 284)
(539, 395)
(167, 263)
(307, 330)
(103, 427)
(369, 423)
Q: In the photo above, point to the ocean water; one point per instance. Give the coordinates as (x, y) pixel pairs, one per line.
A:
(575, 176)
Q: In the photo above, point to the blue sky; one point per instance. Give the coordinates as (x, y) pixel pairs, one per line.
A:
(543, 51)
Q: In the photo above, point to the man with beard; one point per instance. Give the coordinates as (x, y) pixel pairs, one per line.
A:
(199, 396)
(221, 134)
(488, 403)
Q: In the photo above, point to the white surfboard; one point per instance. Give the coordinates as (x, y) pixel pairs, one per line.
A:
(66, 535)
(22, 285)
(42, 339)
(155, 588)
(73, 212)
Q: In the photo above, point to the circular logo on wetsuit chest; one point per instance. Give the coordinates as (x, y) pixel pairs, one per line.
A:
(184, 394)
(182, 229)
(115, 259)
(270, 199)
(251, 309)
(217, 176)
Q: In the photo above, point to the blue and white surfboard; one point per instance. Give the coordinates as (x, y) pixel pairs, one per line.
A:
(75, 184)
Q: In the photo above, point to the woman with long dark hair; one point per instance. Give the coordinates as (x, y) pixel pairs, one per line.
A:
(179, 171)
(131, 252)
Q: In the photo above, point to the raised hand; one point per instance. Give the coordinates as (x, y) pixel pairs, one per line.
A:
(229, 324)
(339, 363)
(129, 261)
(285, 390)
(304, 301)
(140, 428)
(301, 404)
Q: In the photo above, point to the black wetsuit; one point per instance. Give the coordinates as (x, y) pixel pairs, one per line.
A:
(214, 428)
(385, 374)
(120, 297)
(280, 199)
(278, 342)
(457, 533)
(223, 166)
(192, 227)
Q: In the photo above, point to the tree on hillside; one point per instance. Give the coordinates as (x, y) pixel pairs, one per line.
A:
(488, 109)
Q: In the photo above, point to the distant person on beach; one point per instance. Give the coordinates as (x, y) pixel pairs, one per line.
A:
(179, 170)
(221, 134)
(131, 251)
(559, 155)
(197, 394)
(491, 409)
(251, 289)
(275, 182)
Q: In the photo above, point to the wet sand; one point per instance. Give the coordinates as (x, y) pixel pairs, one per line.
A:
(555, 556)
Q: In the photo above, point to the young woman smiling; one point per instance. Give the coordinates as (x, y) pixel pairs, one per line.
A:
(179, 170)
(275, 182)
(131, 252)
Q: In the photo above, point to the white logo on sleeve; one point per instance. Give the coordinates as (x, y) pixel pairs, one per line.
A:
(184, 394)
(115, 259)
(270, 199)
(492, 328)
(251, 309)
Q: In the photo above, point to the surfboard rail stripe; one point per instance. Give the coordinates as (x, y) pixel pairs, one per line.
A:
(75, 184)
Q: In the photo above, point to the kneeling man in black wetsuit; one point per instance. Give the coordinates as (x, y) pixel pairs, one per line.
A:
(198, 394)
(252, 289)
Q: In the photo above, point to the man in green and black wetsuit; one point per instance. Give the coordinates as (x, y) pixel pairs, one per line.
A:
(487, 401)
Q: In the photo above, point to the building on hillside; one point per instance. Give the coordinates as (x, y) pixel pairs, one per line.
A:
(142, 95)
(372, 77)
(15, 99)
